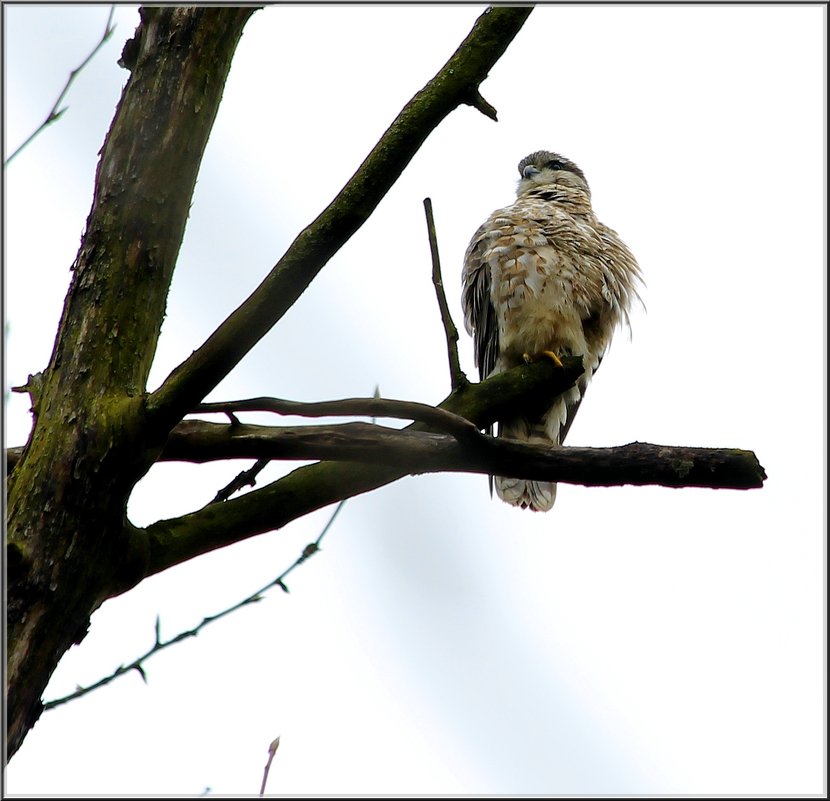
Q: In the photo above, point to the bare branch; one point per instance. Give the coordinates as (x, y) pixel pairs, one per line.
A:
(312, 487)
(457, 376)
(426, 452)
(315, 486)
(436, 418)
(161, 645)
(456, 83)
(54, 113)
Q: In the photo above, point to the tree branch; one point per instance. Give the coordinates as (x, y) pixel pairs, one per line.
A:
(435, 417)
(160, 645)
(315, 486)
(379, 456)
(457, 376)
(456, 83)
(476, 405)
(170, 542)
(426, 452)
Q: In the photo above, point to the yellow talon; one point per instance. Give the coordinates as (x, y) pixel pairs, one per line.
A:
(549, 353)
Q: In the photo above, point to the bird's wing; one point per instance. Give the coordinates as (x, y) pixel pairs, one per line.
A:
(479, 314)
(610, 306)
(573, 404)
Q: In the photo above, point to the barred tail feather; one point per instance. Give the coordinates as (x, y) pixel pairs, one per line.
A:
(537, 496)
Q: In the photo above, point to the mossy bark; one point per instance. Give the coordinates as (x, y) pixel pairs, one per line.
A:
(90, 441)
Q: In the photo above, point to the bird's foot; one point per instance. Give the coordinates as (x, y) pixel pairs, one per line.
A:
(549, 354)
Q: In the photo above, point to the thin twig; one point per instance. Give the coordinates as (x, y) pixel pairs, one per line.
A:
(440, 419)
(272, 749)
(54, 113)
(158, 645)
(458, 378)
(138, 664)
(247, 478)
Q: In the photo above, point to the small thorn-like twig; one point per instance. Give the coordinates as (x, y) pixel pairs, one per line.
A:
(477, 101)
(458, 378)
(55, 113)
(159, 645)
(272, 749)
(247, 478)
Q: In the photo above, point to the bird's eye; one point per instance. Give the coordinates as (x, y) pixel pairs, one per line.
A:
(555, 165)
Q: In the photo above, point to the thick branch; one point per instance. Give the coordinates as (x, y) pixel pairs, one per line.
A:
(314, 486)
(169, 542)
(426, 452)
(455, 84)
(482, 403)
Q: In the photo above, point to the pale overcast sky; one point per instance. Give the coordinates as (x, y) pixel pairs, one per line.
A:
(633, 640)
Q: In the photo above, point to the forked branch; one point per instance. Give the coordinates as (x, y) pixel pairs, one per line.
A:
(455, 84)
(377, 456)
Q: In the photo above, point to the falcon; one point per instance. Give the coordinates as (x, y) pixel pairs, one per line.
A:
(545, 278)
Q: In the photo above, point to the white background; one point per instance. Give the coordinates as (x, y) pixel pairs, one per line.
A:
(632, 640)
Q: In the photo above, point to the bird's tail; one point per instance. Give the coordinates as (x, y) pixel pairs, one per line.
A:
(535, 495)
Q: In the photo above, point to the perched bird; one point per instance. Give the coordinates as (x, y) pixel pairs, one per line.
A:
(544, 276)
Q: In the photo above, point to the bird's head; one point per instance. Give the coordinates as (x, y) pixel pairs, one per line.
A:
(544, 168)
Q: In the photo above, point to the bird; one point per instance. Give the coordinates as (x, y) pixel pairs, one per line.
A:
(544, 278)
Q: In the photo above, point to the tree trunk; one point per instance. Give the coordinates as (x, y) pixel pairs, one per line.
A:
(67, 531)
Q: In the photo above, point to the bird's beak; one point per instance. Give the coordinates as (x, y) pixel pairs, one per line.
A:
(530, 171)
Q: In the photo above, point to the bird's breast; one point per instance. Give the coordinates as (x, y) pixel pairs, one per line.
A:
(533, 290)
